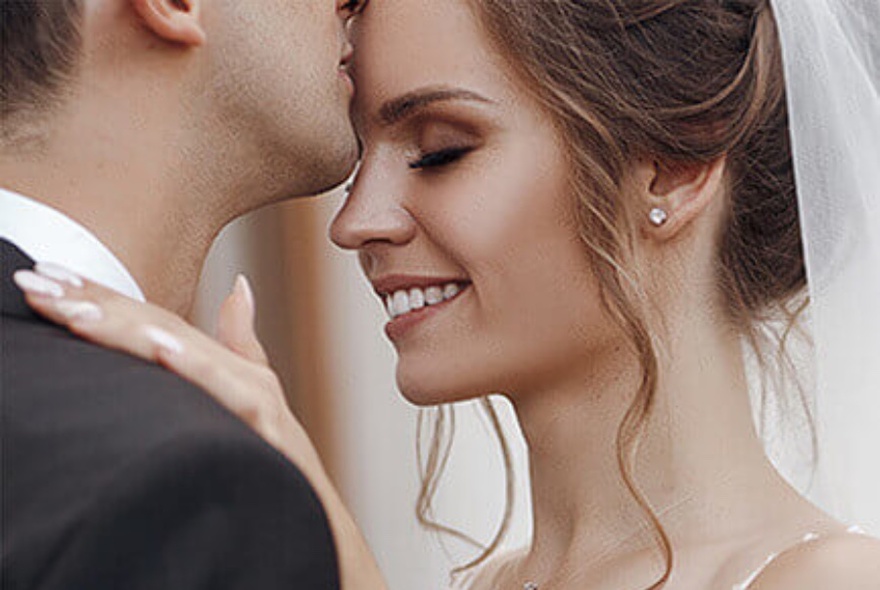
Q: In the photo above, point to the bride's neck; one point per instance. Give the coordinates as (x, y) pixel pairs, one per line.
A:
(699, 456)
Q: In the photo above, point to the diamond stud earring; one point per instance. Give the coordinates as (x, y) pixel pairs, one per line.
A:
(658, 216)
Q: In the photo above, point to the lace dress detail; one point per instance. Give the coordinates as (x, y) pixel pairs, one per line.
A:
(808, 538)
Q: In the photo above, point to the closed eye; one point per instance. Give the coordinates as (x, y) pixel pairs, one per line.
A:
(440, 158)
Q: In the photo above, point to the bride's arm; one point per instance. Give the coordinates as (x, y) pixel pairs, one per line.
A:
(233, 369)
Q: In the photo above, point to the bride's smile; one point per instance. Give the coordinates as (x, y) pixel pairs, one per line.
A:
(463, 184)
(408, 297)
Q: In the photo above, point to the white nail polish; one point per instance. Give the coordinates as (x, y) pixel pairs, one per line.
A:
(58, 273)
(163, 339)
(79, 311)
(242, 283)
(31, 282)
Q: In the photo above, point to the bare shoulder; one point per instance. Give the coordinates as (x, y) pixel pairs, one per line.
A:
(839, 561)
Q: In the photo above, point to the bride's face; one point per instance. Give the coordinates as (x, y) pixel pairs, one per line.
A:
(461, 212)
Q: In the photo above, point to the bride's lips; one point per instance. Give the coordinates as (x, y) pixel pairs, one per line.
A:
(411, 300)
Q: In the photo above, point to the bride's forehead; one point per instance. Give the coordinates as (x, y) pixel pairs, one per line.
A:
(421, 24)
(406, 44)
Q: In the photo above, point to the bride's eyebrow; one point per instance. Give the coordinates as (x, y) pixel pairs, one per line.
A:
(410, 103)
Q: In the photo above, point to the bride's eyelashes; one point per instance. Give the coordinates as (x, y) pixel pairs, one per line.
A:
(440, 158)
(440, 137)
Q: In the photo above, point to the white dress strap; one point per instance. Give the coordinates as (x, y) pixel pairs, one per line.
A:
(808, 538)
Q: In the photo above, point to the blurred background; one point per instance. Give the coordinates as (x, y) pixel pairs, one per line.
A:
(322, 327)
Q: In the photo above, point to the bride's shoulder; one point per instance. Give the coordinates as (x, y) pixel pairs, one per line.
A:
(488, 575)
(843, 560)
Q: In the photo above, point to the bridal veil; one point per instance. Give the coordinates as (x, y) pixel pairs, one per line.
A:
(831, 51)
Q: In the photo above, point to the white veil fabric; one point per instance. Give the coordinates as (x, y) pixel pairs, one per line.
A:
(831, 52)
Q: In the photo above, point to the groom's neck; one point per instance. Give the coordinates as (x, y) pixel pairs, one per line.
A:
(161, 242)
(131, 189)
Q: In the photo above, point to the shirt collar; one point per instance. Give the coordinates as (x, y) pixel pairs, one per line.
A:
(47, 235)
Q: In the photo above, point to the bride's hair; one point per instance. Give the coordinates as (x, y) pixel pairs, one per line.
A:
(675, 81)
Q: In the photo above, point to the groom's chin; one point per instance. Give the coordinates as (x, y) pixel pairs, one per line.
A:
(329, 170)
(344, 167)
(323, 172)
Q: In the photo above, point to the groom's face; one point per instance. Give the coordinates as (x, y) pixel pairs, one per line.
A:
(279, 73)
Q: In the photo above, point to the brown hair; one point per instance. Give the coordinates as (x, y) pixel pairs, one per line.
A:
(39, 47)
(677, 81)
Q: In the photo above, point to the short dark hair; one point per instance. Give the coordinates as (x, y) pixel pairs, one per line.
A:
(39, 47)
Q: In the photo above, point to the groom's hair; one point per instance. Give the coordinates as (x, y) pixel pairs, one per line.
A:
(39, 49)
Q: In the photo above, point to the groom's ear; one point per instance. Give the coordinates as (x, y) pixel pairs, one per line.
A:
(175, 21)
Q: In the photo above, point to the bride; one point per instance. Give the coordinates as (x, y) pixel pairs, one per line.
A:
(588, 207)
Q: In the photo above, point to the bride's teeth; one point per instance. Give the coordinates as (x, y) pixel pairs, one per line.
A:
(416, 298)
(405, 301)
(400, 303)
(389, 305)
(433, 295)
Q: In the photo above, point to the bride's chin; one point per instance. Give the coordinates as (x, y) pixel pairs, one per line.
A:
(427, 392)
(424, 397)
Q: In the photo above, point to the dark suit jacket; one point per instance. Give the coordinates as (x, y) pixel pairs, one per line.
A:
(117, 475)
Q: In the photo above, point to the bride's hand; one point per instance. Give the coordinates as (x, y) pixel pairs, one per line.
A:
(233, 369)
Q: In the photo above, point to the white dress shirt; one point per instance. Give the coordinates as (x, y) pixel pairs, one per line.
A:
(47, 235)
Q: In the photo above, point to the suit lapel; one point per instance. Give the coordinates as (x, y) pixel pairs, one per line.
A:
(12, 301)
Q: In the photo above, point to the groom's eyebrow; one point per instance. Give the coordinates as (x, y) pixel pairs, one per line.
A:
(408, 104)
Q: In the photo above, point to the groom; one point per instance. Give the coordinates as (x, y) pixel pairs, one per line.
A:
(131, 132)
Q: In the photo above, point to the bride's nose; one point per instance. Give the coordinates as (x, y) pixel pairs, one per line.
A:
(369, 217)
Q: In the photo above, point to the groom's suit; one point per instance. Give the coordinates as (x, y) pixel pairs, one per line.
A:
(117, 475)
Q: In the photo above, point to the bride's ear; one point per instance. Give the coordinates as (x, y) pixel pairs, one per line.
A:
(175, 21)
(676, 194)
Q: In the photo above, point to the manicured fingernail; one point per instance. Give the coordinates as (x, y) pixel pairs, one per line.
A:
(79, 311)
(163, 340)
(59, 273)
(34, 284)
(243, 286)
